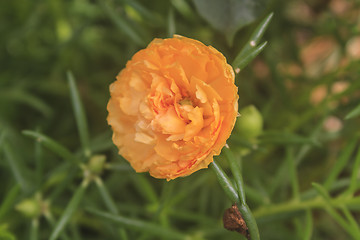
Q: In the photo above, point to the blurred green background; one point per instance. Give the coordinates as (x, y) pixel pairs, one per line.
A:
(303, 85)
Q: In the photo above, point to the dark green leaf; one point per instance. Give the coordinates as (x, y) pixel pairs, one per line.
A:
(228, 16)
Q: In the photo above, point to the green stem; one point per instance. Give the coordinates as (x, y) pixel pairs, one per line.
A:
(39, 163)
(308, 228)
(293, 172)
(225, 182)
(291, 206)
(355, 230)
(171, 27)
(109, 202)
(235, 169)
(354, 175)
(237, 195)
(341, 162)
(294, 206)
(250, 221)
(52, 223)
(34, 229)
(145, 188)
(70, 209)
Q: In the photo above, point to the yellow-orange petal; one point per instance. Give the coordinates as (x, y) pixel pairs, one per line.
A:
(195, 125)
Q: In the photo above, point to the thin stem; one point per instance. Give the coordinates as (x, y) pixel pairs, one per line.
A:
(52, 223)
(294, 206)
(341, 163)
(292, 172)
(39, 163)
(109, 202)
(225, 182)
(235, 169)
(354, 175)
(34, 229)
(354, 113)
(352, 222)
(70, 209)
(237, 195)
(145, 188)
(171, 27)
(308, 229)
(250, 221)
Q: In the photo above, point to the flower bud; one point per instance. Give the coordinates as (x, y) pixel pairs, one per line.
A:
(29, 207)
(96, 164)
(250, 123)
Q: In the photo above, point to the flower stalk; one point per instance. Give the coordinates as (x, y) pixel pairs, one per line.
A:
(237, 193)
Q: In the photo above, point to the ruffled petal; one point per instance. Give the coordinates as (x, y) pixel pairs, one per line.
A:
(173, 107)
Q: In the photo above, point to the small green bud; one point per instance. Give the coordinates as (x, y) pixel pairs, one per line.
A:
(96, 164)
(29, 207)
(250, 124)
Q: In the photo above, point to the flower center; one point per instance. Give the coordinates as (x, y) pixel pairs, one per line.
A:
(186, 101)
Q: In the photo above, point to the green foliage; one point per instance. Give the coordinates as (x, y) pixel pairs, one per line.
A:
(251, 48)
(296, 178)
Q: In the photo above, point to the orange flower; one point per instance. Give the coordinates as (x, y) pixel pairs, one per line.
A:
(173, 107)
